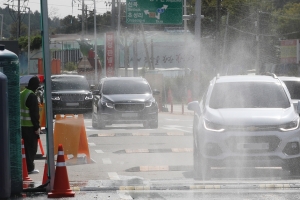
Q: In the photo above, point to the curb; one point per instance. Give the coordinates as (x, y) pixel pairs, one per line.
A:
(190, 187)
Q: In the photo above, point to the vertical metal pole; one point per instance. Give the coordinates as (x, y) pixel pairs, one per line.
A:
(196, 82)
(126, 55)
(113, 14)
(1, 26)
(28, 67)
(152, 55)
(224, 45)
(19, 21)
(257, 44)
(47, 73)
(95, 35)
(185, 21)
(82, 20)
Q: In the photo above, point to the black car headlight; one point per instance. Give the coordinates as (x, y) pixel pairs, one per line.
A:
(56, 98)
(290, 126)
(208, 125)
(88, 97)
(109, 105)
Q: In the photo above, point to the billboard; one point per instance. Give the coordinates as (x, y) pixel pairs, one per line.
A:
(289, 51)
(110, 54)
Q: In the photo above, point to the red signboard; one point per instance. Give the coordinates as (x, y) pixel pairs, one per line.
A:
(110, 54)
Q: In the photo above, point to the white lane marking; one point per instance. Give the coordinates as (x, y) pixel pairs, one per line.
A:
(113, 176)
(92, 144)
(99, 151)
(167, 128)
(179, 120)
(106, 161)
(124, 196)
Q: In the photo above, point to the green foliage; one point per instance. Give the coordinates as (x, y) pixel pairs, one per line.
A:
(289, 21)
(70, 66)
(35, 42)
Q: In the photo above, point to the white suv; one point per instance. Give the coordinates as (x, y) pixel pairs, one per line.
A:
(245, 120)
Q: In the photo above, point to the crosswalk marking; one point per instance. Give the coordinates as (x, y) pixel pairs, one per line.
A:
(106, 161)
(113, 176)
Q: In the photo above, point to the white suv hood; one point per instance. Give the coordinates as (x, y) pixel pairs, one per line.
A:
(251, 116)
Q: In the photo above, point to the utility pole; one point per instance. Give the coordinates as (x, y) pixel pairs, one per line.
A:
(19, 21)
(217, 37)
(95, 37)
(113, 14)
(82, 20)
(224, 45)
(257, 43)
(197, 70)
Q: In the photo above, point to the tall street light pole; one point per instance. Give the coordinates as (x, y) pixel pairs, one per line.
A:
(95, 35)
(1, 25)
(28, 68)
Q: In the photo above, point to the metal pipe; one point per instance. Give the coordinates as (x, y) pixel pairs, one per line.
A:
(47, 73)
(95, 32)
(1, 26)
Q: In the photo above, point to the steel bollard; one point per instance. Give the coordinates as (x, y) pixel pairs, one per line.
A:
(5, 182)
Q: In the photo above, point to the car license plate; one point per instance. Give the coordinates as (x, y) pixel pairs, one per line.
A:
(253, 146)
(129, 114)
(72, 104)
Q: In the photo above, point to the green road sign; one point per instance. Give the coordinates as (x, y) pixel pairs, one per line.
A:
(154, 11)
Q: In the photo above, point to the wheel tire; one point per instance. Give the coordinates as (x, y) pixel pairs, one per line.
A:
(154, 124)
(294, 167)
(202, 169)
(94, 122)
(146, 124)
(100, 124)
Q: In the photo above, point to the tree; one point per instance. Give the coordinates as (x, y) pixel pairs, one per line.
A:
(35, 42)
(69, 25)
(289, 21)
(14, 30)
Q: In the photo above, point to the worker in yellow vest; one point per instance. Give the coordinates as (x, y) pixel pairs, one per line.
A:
(30, 123)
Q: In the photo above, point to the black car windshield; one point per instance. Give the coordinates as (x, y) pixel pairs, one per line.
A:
(294, 88)
(69, 84)
(126, 87)
(248, 95)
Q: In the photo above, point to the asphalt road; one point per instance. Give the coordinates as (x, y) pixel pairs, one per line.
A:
(130, 162)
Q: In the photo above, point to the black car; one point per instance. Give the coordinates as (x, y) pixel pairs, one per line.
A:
(71, 94)
(124, 100)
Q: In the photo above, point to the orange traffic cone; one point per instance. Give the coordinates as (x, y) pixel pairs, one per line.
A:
(61, 186)
(41, 146)
(45, 176)
(24, 164)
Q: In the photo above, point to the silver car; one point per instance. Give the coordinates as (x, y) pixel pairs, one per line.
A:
(245, 120)
(293, 85)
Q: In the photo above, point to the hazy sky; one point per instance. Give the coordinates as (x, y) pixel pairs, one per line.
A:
(60, 8)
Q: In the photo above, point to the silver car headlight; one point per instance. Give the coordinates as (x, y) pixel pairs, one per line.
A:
(148, 104)
(293, 125)
(88, 97)
(212, 126)
(109, 105)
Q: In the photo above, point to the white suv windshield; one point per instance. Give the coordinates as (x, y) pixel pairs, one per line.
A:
(126, 87)
(248, 95)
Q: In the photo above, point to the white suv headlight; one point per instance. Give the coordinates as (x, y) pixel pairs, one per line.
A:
(293, 125)
(212, 126)
(148, 104)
